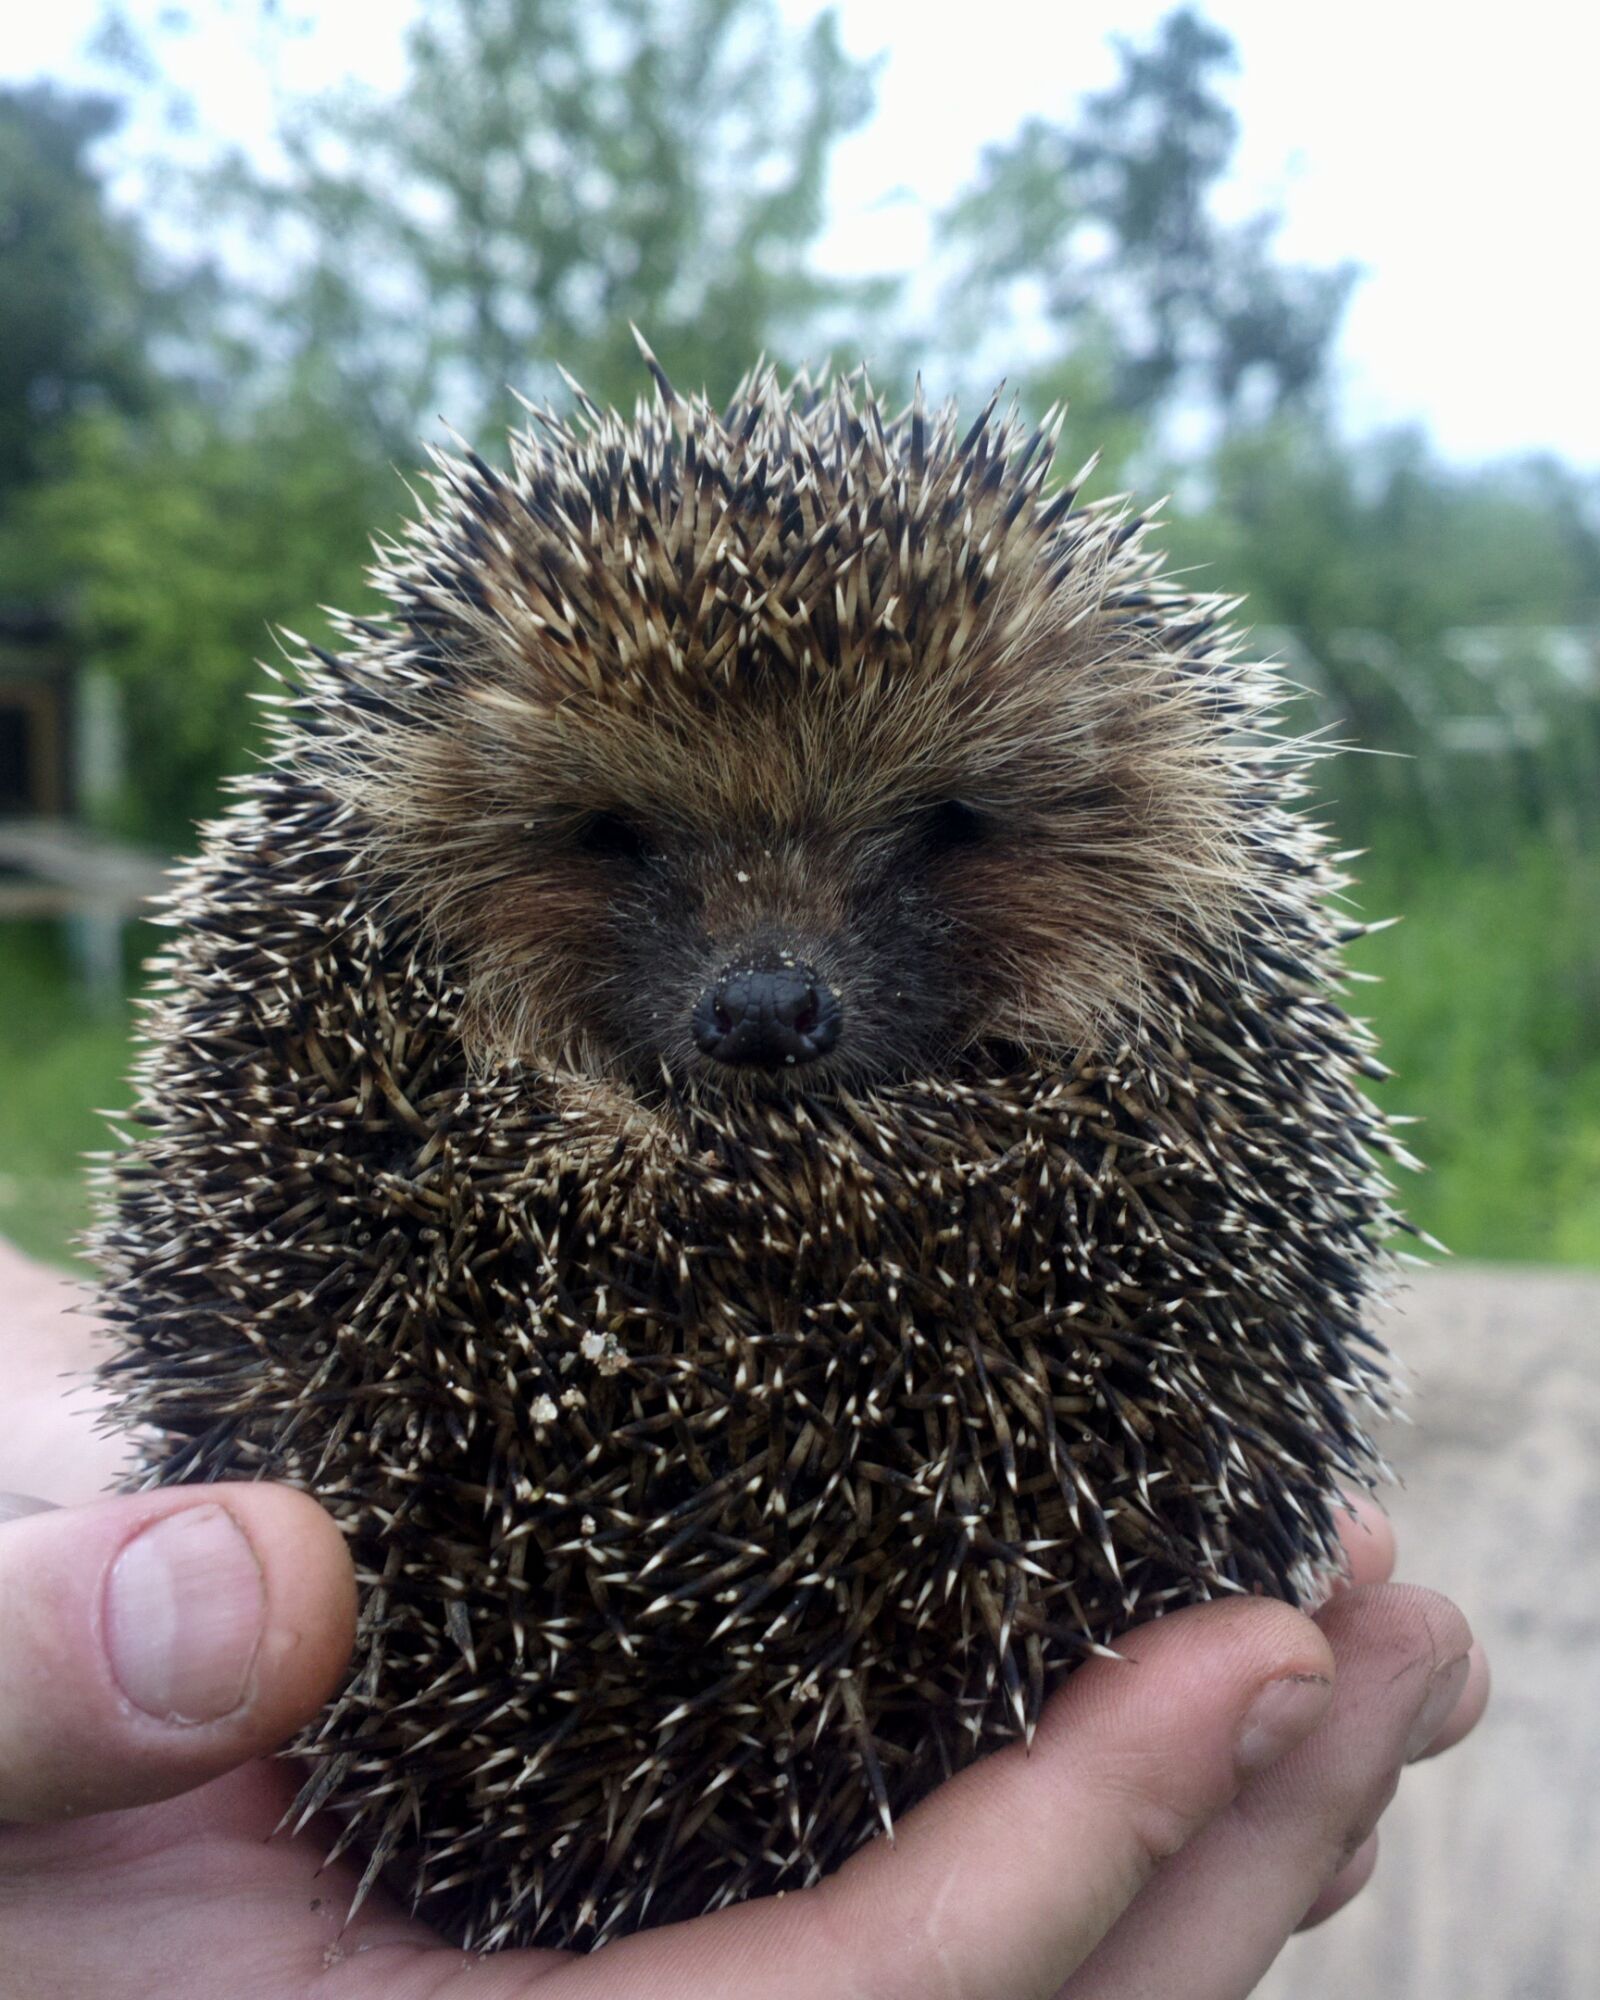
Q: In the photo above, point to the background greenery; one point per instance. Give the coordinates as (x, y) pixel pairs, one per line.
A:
(204, 397)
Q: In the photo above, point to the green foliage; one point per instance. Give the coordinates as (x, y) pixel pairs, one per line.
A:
(1383, 537)
(183, 543)
(1444, 618)
(1109, 219)
(77, 306)
(551, 170)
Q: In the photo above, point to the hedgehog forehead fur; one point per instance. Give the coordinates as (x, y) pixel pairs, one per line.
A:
(765, 651)
(725, 1463)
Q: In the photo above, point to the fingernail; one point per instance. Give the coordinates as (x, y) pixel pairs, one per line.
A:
(1283, 1714)
(184, 1609)
(1444, 1691)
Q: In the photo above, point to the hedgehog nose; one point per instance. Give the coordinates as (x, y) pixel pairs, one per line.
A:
(769, 1016)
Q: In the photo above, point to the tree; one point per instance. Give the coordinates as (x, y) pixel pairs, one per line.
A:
(1383, 536)
(162, 524)
(1109, 220)
(550, 170)
(78, 302)
(184, 541)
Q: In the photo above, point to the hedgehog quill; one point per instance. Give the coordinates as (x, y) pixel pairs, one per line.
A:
(756, 1098)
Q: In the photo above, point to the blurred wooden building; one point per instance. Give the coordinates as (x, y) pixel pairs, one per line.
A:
(60, 760)
(37, 715)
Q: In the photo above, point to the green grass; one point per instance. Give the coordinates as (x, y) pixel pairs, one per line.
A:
(1489, 1012)
(1488, 1007)
(60, 1059)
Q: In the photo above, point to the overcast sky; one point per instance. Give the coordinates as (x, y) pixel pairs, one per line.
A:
(1450, 151)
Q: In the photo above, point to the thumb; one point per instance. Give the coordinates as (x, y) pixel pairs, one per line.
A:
(152, 1642)
(1005, 1879)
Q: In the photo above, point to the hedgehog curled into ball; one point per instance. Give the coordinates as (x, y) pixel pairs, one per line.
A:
(756, 1100)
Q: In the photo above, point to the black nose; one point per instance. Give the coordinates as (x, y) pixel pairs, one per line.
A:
(770, 1016)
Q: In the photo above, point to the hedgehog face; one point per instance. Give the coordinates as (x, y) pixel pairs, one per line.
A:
(802, 933)
(905, 880)
(743, 951)
(815, 759)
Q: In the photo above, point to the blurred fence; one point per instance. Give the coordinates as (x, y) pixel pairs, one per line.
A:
(1490, 735)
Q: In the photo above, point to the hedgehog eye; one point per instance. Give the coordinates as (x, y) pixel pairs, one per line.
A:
(612, 836)
(951, 825)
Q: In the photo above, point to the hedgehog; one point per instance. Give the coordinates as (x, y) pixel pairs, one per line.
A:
(755, 1095)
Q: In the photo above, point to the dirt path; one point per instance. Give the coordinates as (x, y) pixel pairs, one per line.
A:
(1489, 1883)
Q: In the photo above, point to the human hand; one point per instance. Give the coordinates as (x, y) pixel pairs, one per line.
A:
(1151, 1840)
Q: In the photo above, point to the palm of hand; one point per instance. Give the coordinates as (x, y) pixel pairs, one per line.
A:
(202, 1886)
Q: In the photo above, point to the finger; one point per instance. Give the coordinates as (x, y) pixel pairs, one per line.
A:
(1351, 1879)
(1221, 1911)
(1468, 1711)
(1369, 1546)
(1367, 1537)
(1005, 1878)
(151, 1642)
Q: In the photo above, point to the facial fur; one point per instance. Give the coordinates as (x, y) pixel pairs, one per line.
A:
(791, 683)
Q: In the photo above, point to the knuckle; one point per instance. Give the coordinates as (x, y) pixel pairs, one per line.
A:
(1158, 1824)
(1353, 1810)
(1159, 1828)
(1341, 1820)
(1342, 1888)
